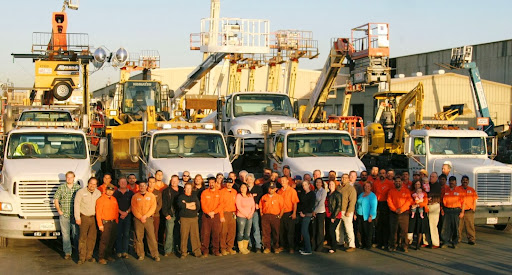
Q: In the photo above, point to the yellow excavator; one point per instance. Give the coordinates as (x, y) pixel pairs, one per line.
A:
(385, 137)
(134, 107)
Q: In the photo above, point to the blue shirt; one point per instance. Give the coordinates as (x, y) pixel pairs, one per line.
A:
(367, 206)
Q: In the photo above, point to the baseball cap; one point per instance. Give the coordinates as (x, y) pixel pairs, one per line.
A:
(110, 186)
(423, 171)
(272, 185)
(286, 167)
(298, 178)
(229, 180)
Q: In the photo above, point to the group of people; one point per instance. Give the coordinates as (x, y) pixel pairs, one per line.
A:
(276, 212)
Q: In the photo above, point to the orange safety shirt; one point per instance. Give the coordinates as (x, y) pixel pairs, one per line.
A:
(103, 188)
(290, 180)
(210, 201)
(143, 205)
(453, 198)
(133, 189)
(271, 204)
(399, 199)
(381, 189)
(160, 185)
(470, 196)
(227, 201)
(289, 197)
(106, 209)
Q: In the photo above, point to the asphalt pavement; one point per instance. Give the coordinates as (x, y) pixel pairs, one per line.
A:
(491, 255)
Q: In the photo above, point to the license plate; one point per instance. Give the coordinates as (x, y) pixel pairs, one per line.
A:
(492, 220)
(47, 226)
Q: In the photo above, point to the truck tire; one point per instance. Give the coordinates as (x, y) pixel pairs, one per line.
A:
(504, 227)
(3, 242)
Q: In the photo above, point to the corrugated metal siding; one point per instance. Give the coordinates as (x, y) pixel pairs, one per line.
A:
(442, 90)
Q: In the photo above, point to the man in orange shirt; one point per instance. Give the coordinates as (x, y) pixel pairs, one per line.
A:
(228, 219)
(158, 195)
(468, 221)
(271, 206)
(406, 180)
(267, 173)
(381, 188)
(107, 179)
(453, 203)
(159, 184)
(287, 226)
(143, 209)
(132, 183)
(210, 222)
(399, 202)
(107, 217)
(363, 179)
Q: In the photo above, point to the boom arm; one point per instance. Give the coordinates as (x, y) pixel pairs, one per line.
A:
(416, 93)
(331, 68)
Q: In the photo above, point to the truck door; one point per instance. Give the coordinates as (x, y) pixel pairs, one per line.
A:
(417, 160)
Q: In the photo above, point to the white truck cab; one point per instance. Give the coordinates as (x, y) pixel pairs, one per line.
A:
(309, 146)
(35, 161)
(468, 153)
(177, 147)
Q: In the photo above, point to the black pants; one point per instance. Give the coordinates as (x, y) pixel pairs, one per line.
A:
(382, 224)
(332, 233)
(107, 240)
(318, 232)
(287, 231)
(398, 223)
(366, 229)
(450, 231)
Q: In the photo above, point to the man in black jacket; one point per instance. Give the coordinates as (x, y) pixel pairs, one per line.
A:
(169, 212)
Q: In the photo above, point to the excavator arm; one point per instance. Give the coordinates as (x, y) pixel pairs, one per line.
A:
(415, 94)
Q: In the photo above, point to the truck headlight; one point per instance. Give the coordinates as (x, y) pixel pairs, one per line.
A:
(5, 206)
(243, 132)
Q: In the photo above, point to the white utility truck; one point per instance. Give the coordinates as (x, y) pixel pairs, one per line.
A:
(177, 147)
(242, 115)
(468, 152)
(36, 157)
(309, 146)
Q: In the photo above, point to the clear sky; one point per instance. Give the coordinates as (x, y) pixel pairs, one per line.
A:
(164, 25)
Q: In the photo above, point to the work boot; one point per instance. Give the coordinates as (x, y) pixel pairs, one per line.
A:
(102, 261)
(232, 251)
(224, 252)
(67, 256)
(278, 250)
(80, 261)
(91, 260)
(266, 251)
(241, 247)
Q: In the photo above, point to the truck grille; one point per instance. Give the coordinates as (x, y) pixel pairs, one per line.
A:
(493, 187)
(37, 196)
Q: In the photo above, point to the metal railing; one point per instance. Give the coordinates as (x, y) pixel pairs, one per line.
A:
(53, 43)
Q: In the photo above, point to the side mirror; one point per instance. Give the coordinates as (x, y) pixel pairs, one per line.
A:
(171, 93)
(237, 150)
(407, 146)
(85, 122)
(364, 147)
(219, 109)
(493, 152)
(296, 108)
(134, 149)
(103, 147)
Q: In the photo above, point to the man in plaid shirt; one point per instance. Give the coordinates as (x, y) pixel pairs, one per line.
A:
(64, 199)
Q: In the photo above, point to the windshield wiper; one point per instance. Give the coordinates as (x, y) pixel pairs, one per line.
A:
(212, 155)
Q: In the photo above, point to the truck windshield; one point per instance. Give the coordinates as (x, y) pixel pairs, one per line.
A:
(262, 104)
(139, 95)
(46, 116)
(320, 145)
(186, 145)
(457, 146)
(46, 145)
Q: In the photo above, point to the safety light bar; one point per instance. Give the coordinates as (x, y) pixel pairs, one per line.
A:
(309, 126)
(65, 124)
(181, 125)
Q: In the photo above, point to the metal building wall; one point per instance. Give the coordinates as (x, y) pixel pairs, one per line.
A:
(494, 61)
(443, 90)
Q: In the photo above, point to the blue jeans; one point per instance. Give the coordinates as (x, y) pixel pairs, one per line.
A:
(170, 245)
(68, 231)
(123, 234)
(304, 229)
(243, 226)
(255, 240)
